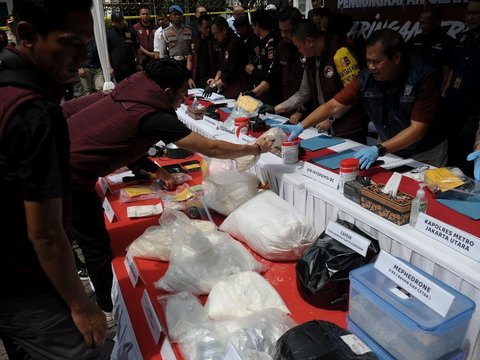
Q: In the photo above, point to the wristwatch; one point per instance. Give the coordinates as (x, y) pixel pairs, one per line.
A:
(332, 119)
(382, 150)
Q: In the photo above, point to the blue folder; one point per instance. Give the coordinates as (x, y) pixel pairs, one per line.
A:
(271, 122)
(465, 207)
(320, 142)
(332, 161)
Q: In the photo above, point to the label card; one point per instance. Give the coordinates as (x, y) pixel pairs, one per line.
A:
(166, 351)
(131, 269)
(151, 316)
(211, 122)
(320, 174)
(108, 210)
(449, 235)
(349, 238)
(232, 354)
(247, 138)
(355, 344)
(416, 284)
(103, 185)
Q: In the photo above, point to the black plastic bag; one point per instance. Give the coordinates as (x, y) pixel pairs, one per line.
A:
(322, 271)
(316, 340)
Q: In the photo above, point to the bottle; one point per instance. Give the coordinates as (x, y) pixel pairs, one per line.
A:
(195, 103)
(419, 204)
(348, 171)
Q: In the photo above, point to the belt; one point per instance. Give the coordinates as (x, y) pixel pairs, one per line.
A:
(180, 58)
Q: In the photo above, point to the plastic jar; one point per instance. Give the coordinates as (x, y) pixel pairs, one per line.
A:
(290, 151)
(348, 171)
(241, 126)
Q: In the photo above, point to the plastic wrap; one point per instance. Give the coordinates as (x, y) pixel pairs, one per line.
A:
(245, 106)
(318, 340)
(155, 242)
(322, 271)
(451, 183)
(254, 336)
(198, 262)
(227, 191)
(271, 226)
(242, 294)
(140, 193)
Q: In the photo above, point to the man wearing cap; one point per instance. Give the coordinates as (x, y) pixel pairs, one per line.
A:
(176, 39)
(123, 48)
(145, 30)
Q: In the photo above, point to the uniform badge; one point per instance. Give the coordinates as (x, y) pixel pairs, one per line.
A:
(270, 54)
(192, 46)
(345, 61)
(408, 90)
(303, 59)
(226, 54)
(328, 72)
(140, 32)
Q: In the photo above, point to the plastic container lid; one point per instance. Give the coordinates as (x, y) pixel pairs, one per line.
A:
(374, 284)
(349, 163)
(241, 120)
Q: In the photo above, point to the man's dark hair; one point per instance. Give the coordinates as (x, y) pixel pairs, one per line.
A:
(322, 12)
(240, 21)
(306, 28)
(167, 73)
(202, 18)
(220, 22)
(290, 13)
(435, 13)
(143, 6)
(263, 19)
(47, 15)
(391, 41)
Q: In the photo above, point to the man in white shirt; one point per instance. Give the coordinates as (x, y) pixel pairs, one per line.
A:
(163, 22)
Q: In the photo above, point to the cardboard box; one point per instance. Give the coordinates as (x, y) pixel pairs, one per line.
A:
(396, 210)
(402, 325)
(196, 114)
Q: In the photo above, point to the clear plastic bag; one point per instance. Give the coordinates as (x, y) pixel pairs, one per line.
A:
(155, 242)
(452, 183)
(242, 294)
(140, 193)
(271, 226)
(254, 336)
(213, 166)
(245, 106)
(198, 261)
(227, 191)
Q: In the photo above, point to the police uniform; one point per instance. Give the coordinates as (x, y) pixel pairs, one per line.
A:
(175, 42)
(267, 68)
(434, 47)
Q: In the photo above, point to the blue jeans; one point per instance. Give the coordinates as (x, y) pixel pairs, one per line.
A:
(41, 327)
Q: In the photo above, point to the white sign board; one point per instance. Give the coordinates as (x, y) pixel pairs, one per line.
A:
(320, 174)
(131, 269)
(349, 238)
(151, 316)
(419, 286)
(108, 210)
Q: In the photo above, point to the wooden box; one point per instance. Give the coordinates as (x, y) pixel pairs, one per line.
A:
(196, 114)
(395, 209)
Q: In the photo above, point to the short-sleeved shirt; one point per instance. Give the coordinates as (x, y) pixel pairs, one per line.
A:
(176, 42)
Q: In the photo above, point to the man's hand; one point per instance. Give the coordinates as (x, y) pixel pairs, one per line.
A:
(475, 157)
(323, 126)
(366, 156)
(293, 130)
(166, 178)
(266, 108)
(92, 323)
(295, 117)
(249, 69)
(81, 72)
(265, 145)
(191, 83)
(209, 90)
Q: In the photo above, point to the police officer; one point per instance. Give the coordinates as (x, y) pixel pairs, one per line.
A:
(176, 39)
(265, 71)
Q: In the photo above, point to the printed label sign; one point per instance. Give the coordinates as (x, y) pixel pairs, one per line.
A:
(349, 238)
(151, 316)
(457, 239)
(320, 174)
(103, 185)
(108, 210)
(211, 122)
(419, 286)
(131, 269)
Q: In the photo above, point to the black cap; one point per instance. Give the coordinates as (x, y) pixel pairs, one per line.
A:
(117, 16)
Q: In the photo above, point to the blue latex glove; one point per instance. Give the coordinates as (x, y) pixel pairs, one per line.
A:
(293, 130)
(367, 156)
(475, 156)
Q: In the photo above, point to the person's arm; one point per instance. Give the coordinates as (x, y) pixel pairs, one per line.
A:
(221, 149)
(163, 53)
(447, 79)
(156, 43)
(191, 82)
(406, 137)
(148, 166)
(297, 99)
(54, 252)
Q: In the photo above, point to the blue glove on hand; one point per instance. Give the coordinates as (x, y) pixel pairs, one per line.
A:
(475, 156)
(293, 130)
(367, 156)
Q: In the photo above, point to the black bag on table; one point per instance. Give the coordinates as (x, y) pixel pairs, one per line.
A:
(317, 340)
(322, 271)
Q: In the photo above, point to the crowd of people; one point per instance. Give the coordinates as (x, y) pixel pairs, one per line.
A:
(423, 99)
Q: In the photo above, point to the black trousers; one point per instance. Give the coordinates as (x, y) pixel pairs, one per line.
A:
(87, 227)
